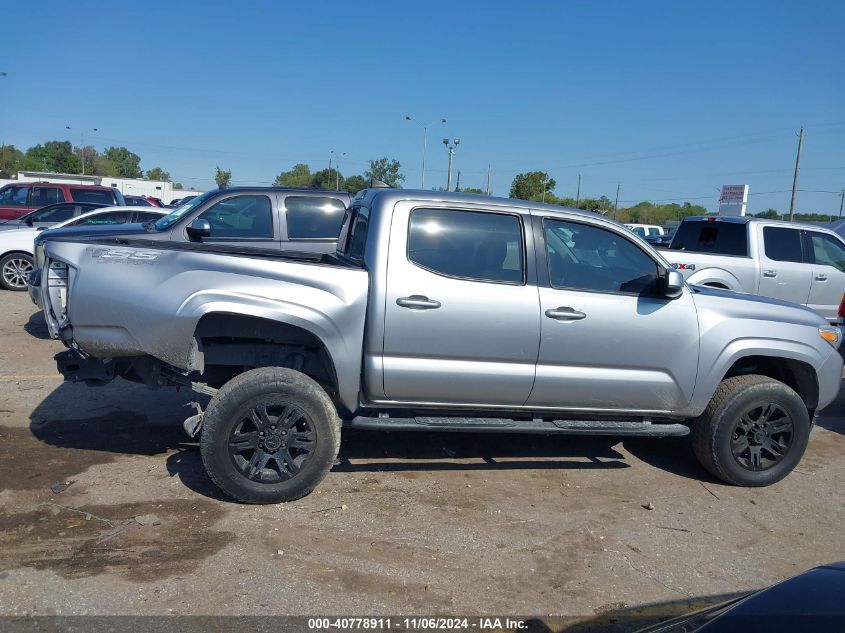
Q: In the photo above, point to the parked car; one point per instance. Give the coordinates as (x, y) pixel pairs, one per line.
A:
(259, 217)
(646, 230)
(660, 241)
(17, 246)
(439, 311)
(20, 198)
(811, 601)
(178, 201)
(804, 263)
(50, 215)
(138, 201)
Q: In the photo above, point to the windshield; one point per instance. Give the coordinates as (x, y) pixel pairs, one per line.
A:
(181, 211)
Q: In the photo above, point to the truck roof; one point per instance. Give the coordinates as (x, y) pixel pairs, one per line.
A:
(750, 219)
(281, 189)
(369, 195)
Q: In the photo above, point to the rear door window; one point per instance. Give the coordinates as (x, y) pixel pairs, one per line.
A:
(712, 236)
(145, 216)
(92, 195)
(57, 213)
(241, 217)
(472, 245)
(42, 196)
(782, 244)
(312, 217)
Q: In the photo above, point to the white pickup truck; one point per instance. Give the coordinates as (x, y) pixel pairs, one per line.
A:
(802, 263)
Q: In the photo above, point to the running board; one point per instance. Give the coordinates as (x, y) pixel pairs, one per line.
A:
(504, 425)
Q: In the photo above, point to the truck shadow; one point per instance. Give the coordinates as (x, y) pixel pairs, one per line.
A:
(92, 426)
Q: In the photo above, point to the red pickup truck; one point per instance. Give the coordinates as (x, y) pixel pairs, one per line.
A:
(17, 199)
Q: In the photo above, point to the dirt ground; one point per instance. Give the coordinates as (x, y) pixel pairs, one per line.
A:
(404, 524)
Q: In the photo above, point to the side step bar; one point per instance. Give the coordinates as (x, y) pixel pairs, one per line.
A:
(504, 425)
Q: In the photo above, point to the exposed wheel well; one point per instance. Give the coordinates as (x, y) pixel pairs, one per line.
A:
(229, 344)
(798, 375)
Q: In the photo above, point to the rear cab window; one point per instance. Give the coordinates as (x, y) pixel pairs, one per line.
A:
(101, 196)
(712, 236)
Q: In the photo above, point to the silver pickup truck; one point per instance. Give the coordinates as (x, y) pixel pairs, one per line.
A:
(804, 263)
(441, 312)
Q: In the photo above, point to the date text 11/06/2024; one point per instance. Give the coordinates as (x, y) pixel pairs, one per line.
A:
(418, 623)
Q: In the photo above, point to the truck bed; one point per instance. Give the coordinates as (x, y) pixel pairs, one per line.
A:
(145, 298)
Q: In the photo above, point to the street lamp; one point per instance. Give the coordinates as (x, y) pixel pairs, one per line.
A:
(82, 145)
(425, 144)
(450, 149)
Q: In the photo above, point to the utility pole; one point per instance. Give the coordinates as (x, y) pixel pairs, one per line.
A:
(616, 203)
(578, 192)
(841, 202)
(545, 180)
(458, 183)
(795, 177)
(489, 168)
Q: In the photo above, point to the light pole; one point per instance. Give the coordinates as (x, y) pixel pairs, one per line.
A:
(425, 144)
(450, 149)
(336, 168)
(82, 145)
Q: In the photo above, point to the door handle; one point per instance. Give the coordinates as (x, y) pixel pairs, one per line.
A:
(417, 302)
(821, 277)
(565, 313)
(770, 273)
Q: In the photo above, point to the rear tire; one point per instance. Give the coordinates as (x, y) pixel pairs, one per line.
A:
(14, 269)
(753, 432)
(269, 435)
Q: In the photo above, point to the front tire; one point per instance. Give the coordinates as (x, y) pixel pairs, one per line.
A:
(14, 269)
(269, 435)
(753, 432)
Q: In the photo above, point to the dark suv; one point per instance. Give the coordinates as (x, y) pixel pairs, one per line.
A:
(18, 199)
(258, 217)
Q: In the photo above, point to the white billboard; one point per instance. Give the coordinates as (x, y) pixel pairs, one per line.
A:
(733, 200)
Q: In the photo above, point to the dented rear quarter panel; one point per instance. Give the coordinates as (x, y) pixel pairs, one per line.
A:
(143, 300)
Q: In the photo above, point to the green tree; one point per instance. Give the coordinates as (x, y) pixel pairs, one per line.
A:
(532, 185)
(157, 173)
(299, 176)
(354, 184)
(128, 164)
(326, 179)
(770, 214)
(222, 177)
(177, 185)
(55, 156)
(474, 190)
(386, 170)
(10, 158)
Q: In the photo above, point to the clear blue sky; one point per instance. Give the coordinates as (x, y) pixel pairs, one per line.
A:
(670, 99)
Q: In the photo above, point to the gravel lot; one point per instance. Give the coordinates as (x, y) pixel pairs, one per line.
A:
(404, 524)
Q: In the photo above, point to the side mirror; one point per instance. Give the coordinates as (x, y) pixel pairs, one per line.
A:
(28, 221)
(674, 284)
(199, 229)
